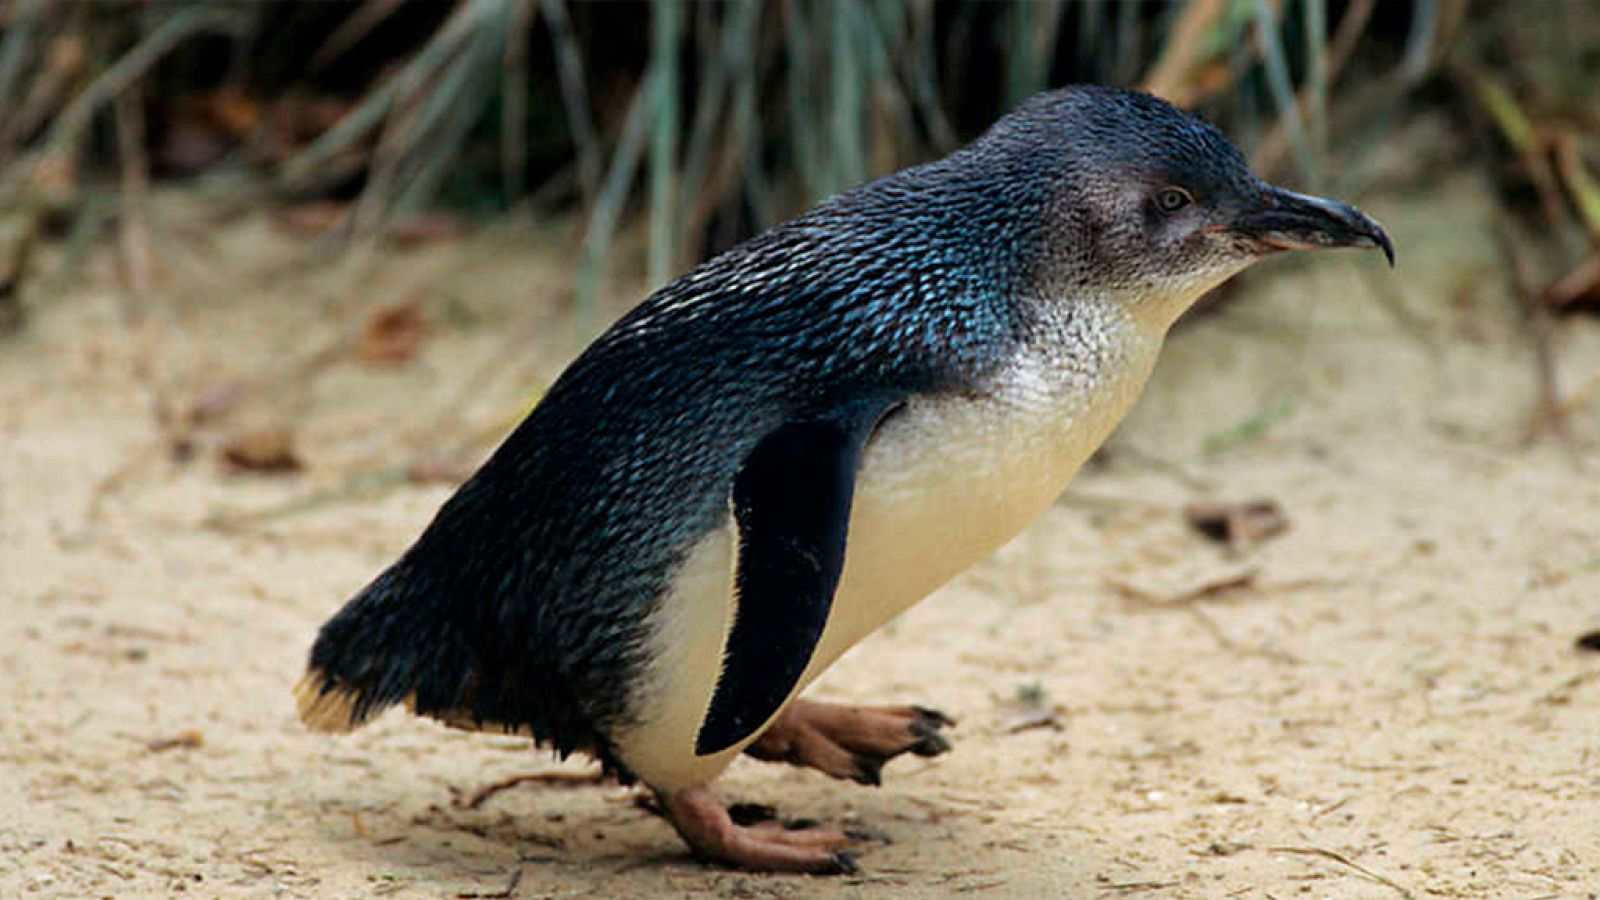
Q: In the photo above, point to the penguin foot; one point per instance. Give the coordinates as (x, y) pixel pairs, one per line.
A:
(851, 742)
(758, 842)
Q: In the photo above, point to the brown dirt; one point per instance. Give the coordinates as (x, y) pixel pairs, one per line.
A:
(1386, 703)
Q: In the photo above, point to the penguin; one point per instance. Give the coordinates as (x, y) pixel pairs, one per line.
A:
(780, 451)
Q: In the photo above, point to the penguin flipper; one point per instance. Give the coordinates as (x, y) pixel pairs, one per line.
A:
(791, 503)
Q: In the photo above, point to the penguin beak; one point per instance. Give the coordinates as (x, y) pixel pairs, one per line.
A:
(1285, 220)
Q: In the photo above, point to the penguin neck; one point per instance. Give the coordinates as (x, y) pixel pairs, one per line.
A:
(1080, 366)
(1153, 307)
(1095, 338)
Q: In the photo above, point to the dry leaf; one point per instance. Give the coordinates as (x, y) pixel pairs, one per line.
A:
(232, 111)
(203, 128)
(392, 334)
(1030, 707)
(1025, 719)
(1238, 524)
(1207, 588)
(262, 451)
(187, 739)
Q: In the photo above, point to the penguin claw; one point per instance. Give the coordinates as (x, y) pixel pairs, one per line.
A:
(869, 771)
(929, 741)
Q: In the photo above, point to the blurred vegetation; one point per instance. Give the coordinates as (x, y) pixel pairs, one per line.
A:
(385, 120)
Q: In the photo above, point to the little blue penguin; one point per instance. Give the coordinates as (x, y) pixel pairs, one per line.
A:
(783, 449)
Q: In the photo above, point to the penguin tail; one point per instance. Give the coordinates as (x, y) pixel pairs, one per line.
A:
(393, 642)
(325, 706)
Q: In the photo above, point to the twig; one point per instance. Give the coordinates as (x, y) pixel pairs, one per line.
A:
(509, 890)
(132, 229)
(1520, 134)
(186, 739)
(1215, 588)
(15, 255)
(1580, 183)
(1330, 808)
(1496, 104)
(1347, 862)
(553, 779)
(133, 238)
(1574, 286)
(1205, 590)
(1134, 887)
(1546, 416)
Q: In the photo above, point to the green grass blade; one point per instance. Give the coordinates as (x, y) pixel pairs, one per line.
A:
(666, 29)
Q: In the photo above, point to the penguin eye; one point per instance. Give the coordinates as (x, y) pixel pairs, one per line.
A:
(1172, 199)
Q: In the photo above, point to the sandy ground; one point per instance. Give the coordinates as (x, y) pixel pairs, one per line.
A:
(1388, 703)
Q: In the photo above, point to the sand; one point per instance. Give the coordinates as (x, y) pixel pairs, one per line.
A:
(1386, 703)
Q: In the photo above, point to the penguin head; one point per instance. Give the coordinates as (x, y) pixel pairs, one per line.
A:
(1146, 203)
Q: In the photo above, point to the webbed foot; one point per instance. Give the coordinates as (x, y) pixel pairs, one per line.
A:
(851, 742)
(751, 837)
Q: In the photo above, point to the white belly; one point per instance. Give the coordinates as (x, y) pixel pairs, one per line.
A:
(942, 484)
